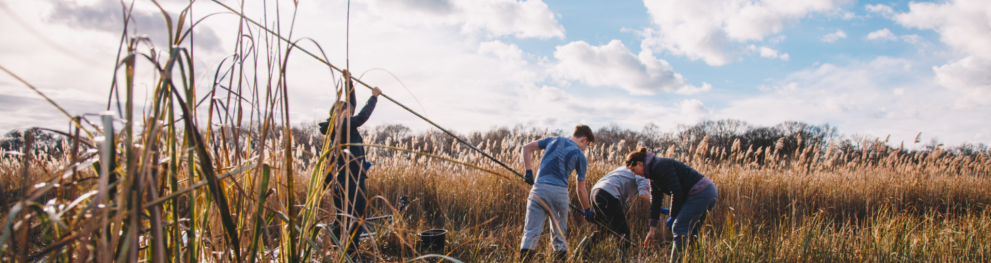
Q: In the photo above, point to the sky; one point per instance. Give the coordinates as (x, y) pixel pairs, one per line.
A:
(874, 68)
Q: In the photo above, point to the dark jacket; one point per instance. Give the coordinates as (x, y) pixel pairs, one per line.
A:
(672, 177)
(357, 158)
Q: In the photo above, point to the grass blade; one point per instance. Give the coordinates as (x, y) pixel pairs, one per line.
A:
(206, 167)
(260, 221)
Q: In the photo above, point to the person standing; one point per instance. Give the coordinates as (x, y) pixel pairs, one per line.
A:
(549, 195)
(692, 196)
(346, 183)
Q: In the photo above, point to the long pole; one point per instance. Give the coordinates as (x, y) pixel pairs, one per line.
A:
(462, 141)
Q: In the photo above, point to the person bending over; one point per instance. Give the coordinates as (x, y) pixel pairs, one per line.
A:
(609, 197)
(692, 196)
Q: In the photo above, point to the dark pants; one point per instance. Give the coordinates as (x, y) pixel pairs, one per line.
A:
(350, 203)
(610, 211)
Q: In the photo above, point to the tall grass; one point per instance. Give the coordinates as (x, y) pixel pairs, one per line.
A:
(785, 209)
(212, 172)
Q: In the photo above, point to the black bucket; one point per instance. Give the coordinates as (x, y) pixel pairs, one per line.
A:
(433, 239)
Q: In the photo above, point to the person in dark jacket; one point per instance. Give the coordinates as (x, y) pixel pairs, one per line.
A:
(693, 196)
(346, 182)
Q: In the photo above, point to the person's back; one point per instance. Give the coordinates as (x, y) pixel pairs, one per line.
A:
(561, 157)
(623, 184)
(666, 167)
(609, 201)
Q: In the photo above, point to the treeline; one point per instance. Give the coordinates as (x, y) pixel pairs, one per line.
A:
(723, 136)
(786, 138)
(47, 145)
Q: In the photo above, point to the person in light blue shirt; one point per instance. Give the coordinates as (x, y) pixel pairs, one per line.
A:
(549, 195)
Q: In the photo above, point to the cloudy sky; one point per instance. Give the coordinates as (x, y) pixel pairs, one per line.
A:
(868, 67)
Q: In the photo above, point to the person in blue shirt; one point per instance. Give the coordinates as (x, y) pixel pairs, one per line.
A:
(561, 157)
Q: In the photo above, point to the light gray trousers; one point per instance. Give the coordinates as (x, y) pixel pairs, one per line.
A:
(556, 198)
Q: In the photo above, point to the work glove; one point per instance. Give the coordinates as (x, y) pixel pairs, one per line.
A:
(528, 178)
(670, 222)
(589, 215)
(665, 211)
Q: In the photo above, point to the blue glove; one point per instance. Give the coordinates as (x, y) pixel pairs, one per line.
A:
(528, 178)
(665, 211)
(589, 214)
(670, 222)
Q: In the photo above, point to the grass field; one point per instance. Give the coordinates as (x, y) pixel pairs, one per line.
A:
(228, 180)
(904, 207)
(789, 211)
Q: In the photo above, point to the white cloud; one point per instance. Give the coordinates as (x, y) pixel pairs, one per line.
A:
(693, 107)
(878, 97)
(769, 52)
(912, 39)
(969, 75)
(880, 9)
(846, 15)
(983, 134)
(708, 29)
(777, 39)
(446, 64)
(506, 52)
(49, 55)
(882, 35)
(832, 37)
(548, 106)
(615, 65)
(963, 25)
(523, 19)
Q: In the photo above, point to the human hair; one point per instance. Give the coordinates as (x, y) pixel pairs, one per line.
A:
(339, 106)
(583, 130)
(636, 156)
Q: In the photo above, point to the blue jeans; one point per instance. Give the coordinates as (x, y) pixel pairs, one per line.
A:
(692, 216)
(556, 198)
